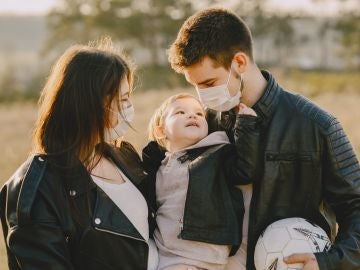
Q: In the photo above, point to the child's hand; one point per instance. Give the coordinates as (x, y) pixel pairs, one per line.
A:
(243, 109)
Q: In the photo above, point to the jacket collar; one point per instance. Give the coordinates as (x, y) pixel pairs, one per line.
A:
(78, 179)
(105, 216)
(125, 161)
(266, 105)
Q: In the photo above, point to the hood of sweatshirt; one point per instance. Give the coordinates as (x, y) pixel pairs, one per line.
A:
(214, 138)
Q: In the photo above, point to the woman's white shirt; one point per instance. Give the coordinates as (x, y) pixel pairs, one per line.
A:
(132, 203)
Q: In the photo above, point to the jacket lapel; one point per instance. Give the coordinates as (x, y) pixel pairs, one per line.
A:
(128, 162)
(109, 218)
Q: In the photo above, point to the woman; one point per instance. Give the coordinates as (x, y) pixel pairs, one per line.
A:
(75, 203)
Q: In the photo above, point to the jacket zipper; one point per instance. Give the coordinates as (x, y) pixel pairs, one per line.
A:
(251, 219)
(181, 221)
(127, 236)
(119, 234)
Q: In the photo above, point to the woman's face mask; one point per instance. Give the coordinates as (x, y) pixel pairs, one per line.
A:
(218, 97)
(124, 118)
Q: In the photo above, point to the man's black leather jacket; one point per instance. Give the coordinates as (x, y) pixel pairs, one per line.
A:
(307, 169)
(57, 218)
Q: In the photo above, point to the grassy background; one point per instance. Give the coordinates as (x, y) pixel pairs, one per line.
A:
(17, 119)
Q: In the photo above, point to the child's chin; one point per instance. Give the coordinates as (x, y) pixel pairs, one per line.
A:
(198, 137)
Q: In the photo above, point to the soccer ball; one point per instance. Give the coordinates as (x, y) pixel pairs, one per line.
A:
(285, 237)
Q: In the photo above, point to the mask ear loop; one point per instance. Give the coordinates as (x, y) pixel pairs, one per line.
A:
(121, 113)
(241, 84)
(124, 116)
(241, 81)
(228, 80)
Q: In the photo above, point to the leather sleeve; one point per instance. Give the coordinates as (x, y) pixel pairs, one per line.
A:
(152, 155)
(41, 243)
(31, 226)
(246, 136)
(341, 186)
(10, 257)
(212, 120)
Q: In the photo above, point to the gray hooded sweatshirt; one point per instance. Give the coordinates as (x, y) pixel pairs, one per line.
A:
(172, 180)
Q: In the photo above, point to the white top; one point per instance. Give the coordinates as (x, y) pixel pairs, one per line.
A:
(238, 261)
(132, 203)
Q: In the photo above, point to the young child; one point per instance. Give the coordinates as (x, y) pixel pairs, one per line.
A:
(198, 209)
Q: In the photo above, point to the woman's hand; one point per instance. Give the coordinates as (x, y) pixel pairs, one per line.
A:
(308, 259)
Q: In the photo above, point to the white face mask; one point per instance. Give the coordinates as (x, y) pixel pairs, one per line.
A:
(218, 97)
(125, 117)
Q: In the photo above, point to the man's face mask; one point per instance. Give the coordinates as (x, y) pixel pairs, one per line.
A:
(218, 97)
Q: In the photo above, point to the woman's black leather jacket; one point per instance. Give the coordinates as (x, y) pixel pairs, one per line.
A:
(56, 218)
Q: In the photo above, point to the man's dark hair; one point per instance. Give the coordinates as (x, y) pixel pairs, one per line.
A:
(214, 32)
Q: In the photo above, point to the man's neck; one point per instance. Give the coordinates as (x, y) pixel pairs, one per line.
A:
(254, 86)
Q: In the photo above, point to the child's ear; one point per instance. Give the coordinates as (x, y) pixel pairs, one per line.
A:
(159, 133)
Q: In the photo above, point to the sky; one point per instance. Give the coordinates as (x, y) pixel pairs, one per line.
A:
(33, 7)
(38, 7)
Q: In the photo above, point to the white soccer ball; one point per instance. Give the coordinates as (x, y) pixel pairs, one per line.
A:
(285, 237)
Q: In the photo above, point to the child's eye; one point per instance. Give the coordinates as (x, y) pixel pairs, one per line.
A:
(200, 114)
(180, 112)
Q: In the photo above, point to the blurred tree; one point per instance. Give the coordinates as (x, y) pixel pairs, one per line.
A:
(9, 87)
(326, 25)
(272, 31)
(349, 28)
(145, 29)
(284, 38)
(148, 24)
(347, 23)
(68, 24)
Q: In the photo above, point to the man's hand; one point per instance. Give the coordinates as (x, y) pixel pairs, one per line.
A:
(243, 109)
(308, 259)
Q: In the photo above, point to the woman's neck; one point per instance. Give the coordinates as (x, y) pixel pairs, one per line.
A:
(106, 170)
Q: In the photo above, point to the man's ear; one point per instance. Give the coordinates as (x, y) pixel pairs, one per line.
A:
(159, 133)
(242, 61)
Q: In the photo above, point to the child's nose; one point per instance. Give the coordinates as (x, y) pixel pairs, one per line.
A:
(192, 115)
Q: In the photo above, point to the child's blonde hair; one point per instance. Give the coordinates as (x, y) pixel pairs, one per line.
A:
(157, 120)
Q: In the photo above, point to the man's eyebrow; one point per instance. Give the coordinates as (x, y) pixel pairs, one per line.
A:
(206, 81)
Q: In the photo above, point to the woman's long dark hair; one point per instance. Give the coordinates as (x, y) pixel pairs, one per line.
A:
(73, 112)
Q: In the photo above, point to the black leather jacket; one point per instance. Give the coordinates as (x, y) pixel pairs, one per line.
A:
(54, 218)
(308, 169)
(214, 207)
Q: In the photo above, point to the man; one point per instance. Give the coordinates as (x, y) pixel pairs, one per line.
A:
(308, 166)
